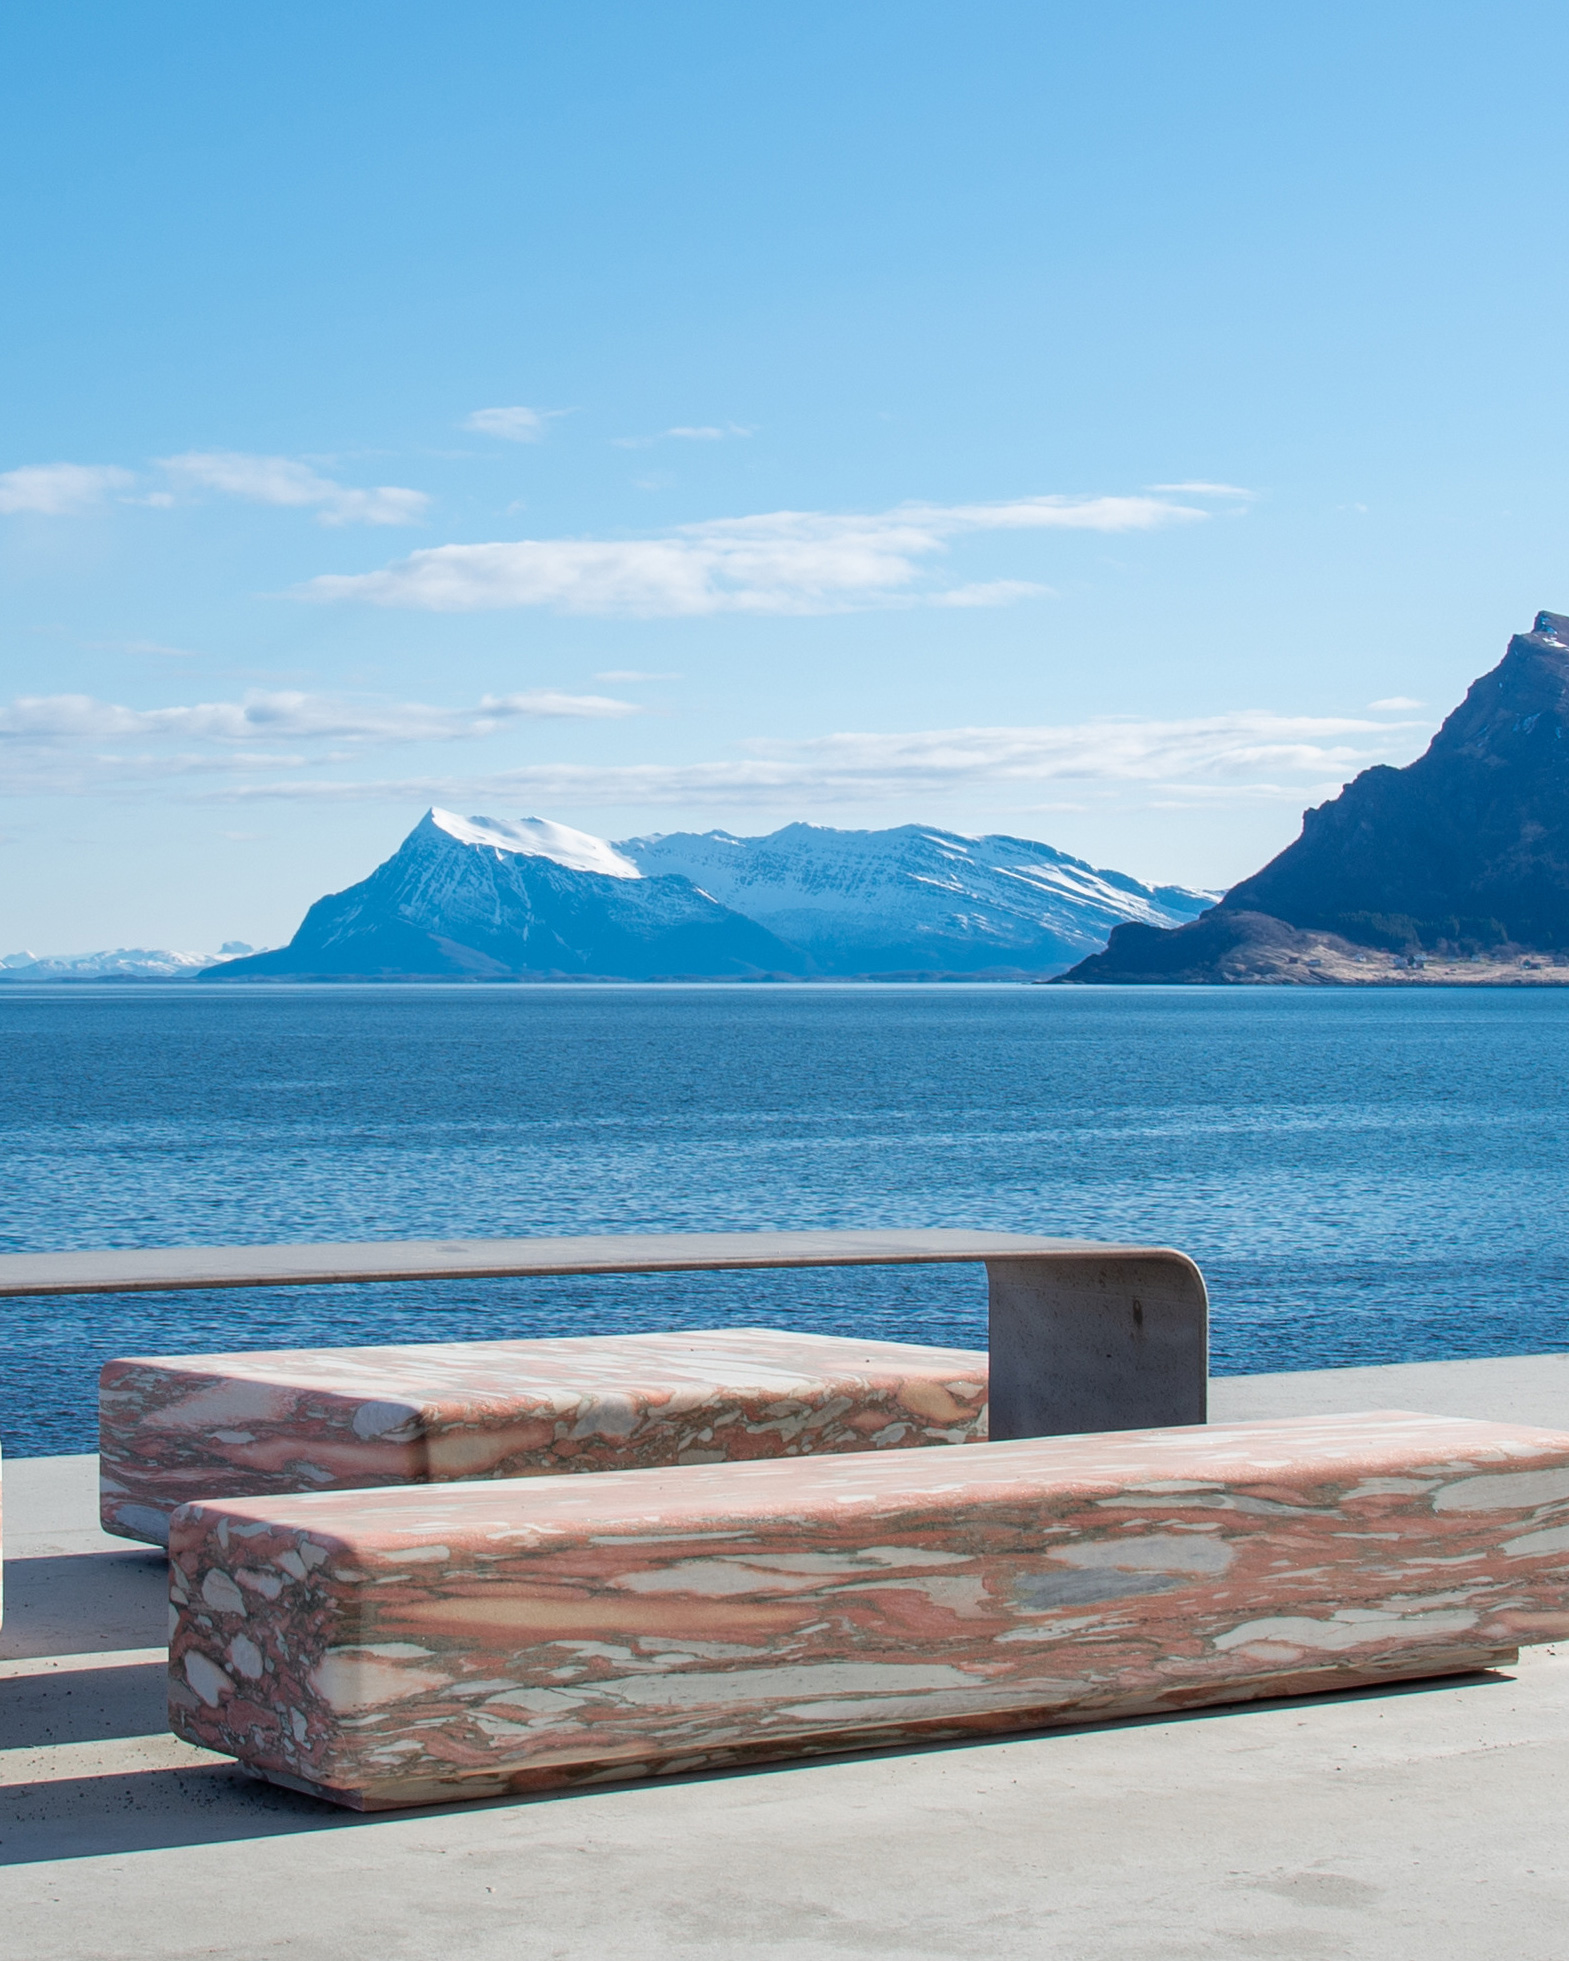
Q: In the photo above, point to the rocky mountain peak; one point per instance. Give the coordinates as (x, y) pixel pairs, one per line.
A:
(1465, 851)
(1553, 627)
(1509, 704)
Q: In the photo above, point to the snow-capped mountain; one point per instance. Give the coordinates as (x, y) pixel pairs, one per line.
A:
(115, 963)
(916, 899)
(480, 898)
(487, 898)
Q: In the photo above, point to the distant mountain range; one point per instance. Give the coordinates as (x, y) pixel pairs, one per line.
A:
(1453, 868)
(914, 899)
(1462, 855)
(485, 898)
(115, 963)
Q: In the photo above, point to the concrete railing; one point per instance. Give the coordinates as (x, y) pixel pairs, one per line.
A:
(1083, 1335)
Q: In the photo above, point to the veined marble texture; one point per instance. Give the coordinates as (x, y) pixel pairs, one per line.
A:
(383, 1648)
(178, 1427)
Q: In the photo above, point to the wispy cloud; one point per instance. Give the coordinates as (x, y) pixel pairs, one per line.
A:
(706, 432)
(287, 745)
(1199, 488)
(68, 489)
(285, 481)
(157, 647)
(991, 592)
(1248, 757)
(1396, 703)
(38, 723)
(514, 425)
(60, 489)
(1236, 748)
(776, 562)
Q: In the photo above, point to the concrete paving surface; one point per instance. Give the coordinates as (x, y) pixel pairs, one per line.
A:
(1419, 1824)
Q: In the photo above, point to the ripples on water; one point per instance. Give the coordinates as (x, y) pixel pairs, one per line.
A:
(1363, 1176)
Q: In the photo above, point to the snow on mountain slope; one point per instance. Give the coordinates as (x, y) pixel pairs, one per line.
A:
(537, 837)
(495, 898)
(114, 963)
(916, 899)
(484, 899)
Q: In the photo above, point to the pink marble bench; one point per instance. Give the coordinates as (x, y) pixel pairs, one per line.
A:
(1081, 1336)
(178, 1427)
(384, 1648)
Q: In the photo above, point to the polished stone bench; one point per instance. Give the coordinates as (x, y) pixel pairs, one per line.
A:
(1082, 1336)
(174, 1428)
(414, 1646)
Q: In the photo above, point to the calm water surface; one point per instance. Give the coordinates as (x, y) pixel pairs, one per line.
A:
(1362, 1176)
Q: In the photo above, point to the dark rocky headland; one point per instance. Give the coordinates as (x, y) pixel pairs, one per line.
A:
(1453, 869)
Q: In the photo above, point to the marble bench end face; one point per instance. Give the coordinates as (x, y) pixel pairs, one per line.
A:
(385, 1648)
(177, 1428)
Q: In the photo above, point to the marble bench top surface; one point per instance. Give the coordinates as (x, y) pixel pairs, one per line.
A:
(1170, 1465)
(566, 1366)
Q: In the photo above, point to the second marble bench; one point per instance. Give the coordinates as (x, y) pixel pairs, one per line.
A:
(180, 1427)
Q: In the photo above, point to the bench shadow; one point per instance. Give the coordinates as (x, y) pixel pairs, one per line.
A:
(151, 1810)
(86, 1705)
(218, 1803)
(85, 1603)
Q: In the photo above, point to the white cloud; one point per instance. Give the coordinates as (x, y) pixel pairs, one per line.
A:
(548, 702)
(56, 721)
(284, 481)
(991, 592)
(60, 489)
(1202, 489)
(1187, 796)
(776, 562)
(1233, 746)
(65, 489)
(72, 744)
(708, 432)
(147, 647)
(513, 425)
(1396, 702)
(1251, 756)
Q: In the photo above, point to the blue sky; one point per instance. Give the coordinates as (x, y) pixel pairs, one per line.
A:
(1114, 425)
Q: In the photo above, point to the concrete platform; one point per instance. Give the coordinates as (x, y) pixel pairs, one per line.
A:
(1421, 1824)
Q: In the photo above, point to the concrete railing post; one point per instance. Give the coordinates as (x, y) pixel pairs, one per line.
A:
(1088, 1343)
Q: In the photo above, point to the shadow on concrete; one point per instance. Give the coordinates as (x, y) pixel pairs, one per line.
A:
(208, 1804)
(88, 1705)
(85, 1603)
(150, 1810)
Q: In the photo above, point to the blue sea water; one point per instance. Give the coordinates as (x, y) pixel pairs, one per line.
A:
(1363, 1176)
